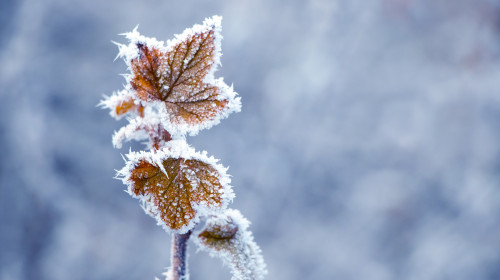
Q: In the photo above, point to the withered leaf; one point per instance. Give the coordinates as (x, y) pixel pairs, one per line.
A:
(176, 194)
(226, 236)
(177, 78)
(127, 106)
(218, 233)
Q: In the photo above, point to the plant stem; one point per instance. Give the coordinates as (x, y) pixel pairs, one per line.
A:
(179, 256)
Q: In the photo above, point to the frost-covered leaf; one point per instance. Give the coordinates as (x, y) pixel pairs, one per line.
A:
(185, 182)
(177, 80)
(226, 236)
(127, 106)
(123, 103)
(177, 185)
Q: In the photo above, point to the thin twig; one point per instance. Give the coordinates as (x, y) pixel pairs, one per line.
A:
(179, 256)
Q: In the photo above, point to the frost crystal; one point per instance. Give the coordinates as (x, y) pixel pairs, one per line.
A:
(169, 275)
(226, 236)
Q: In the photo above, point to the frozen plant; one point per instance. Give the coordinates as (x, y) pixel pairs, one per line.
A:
(171, 92)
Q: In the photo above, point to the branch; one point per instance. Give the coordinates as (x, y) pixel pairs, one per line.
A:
(179, 256)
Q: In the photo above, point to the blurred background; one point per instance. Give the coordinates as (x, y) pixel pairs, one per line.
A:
(368, 146)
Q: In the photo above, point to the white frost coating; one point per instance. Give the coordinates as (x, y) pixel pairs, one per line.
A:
(129, 132)
(136, 129)
(129, 52)
(177, 149)
(169, 275)
(178, 128)
(239, 252)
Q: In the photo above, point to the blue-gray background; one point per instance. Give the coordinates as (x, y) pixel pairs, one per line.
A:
(368, 146)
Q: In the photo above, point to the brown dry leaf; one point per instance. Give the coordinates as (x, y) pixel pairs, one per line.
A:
(177, 78)
(226, 236)
(217, 234)
(127, 106)
(189, 182)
